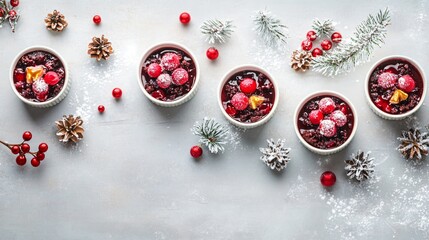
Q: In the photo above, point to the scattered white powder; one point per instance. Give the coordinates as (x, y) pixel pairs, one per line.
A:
(268, 57)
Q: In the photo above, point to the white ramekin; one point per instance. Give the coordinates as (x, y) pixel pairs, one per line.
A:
(67, 82)
(250, 68)
(378, 111)
(184, 98)
(332, 150)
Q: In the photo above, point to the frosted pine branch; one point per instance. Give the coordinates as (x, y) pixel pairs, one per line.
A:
(270, 28)
(212, 134)
(323, 28)
(217, 31)
(346, 56)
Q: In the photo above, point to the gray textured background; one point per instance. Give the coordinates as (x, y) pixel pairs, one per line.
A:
(132, 176)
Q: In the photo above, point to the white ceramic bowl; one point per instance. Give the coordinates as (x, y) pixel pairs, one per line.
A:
(67, 82)
(378, 111)
(332, 150)
(263, 120)
(184, 98)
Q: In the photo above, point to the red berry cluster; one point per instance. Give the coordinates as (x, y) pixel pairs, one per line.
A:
(326, 44)
(23, 148)
(10, 11)
(327, 117)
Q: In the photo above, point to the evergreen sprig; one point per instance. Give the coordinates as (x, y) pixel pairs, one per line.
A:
(212, 134)
(5, 9)
(346, 56)
(270, 28)
(323, 28)
(217, 31)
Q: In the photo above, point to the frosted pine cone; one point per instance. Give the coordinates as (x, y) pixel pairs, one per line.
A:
(276, 156)
(360, 166)
(414, 144)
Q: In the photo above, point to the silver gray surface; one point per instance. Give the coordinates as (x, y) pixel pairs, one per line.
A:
(132, 176)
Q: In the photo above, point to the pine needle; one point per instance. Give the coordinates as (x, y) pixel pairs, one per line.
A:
(270, 28)
(217, 31)
(212, 134)
(346, 56)
(323, 28)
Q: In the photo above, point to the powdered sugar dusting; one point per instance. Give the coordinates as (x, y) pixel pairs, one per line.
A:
(268, 57)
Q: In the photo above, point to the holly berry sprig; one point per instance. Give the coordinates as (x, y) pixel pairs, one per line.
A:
(9, 13)
(22, 149)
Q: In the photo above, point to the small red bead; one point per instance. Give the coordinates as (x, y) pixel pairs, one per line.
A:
(12, 13)
(317, 52)
(196, 151)
(306, 45)
(336, 37)
(117, 93)
(43, 147)
(14, 3)
(316, 116)
(101, 108)
(40, 156)
(96, 19)
(311, 35)
(328, 179)
(326, 45)
(27, 136)
(212, 53)
(185, 18)
(15, 149)
(35, 162)
(25, 148)
(248, 86)
(21, 160)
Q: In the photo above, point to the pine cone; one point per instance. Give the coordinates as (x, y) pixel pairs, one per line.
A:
(55, 21)
(70, 128)
(100, 48)
(360, 166)
(414, 144)
(276, 156)
(301, 60)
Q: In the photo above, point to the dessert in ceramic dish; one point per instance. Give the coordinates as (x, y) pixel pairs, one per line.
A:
(248, 96)
(395, 87)
(39, 77)
(325, 122)
(168, 74)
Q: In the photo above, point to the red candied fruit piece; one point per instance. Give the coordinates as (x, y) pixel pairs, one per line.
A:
(18, 75)
(230, 110)
(158, 94)
(180, 76)
(170, 61)
(265, 108)
(406, 83)
(387, 80)
(327, 128)
(240, 101)
(344, 108)
(316, 116)
(51, 78)
(164, 80)
(248, 86)
(339, 118)
(327, 105)
(154, 70)
(383, 105)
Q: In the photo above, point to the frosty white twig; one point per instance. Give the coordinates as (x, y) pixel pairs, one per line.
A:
(217, 31)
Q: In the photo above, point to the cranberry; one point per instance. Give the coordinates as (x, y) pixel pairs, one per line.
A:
(51, 78)
(185, 18)
(154, 70)
(387, 80)
(180, 76)
(328, 179)
(21, 160)
(2, 12)
(96, 19)
(339, 118)
(248, 86)
(230, 110)
(311, 35)
(316, 52)
(383, 104)
(170, 61)
(212, 53)
(15, 149)
(406, 83)
(306, 45)
(327, 105)
(391, 70)
(117, 93)
(316, 116)
(344, 108)
(35, 162)
(196, 151)
(27, 136)
(43, 147)
(327, 128)
(40, 88)
(12, 14)
(101, 108)
(240, 101)
(265, 108)
(40, 156)
(19, 75)
(336, 37)
(25, 148)
(164, 80)
(326, 45)
(14, 3)
(158, 94)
